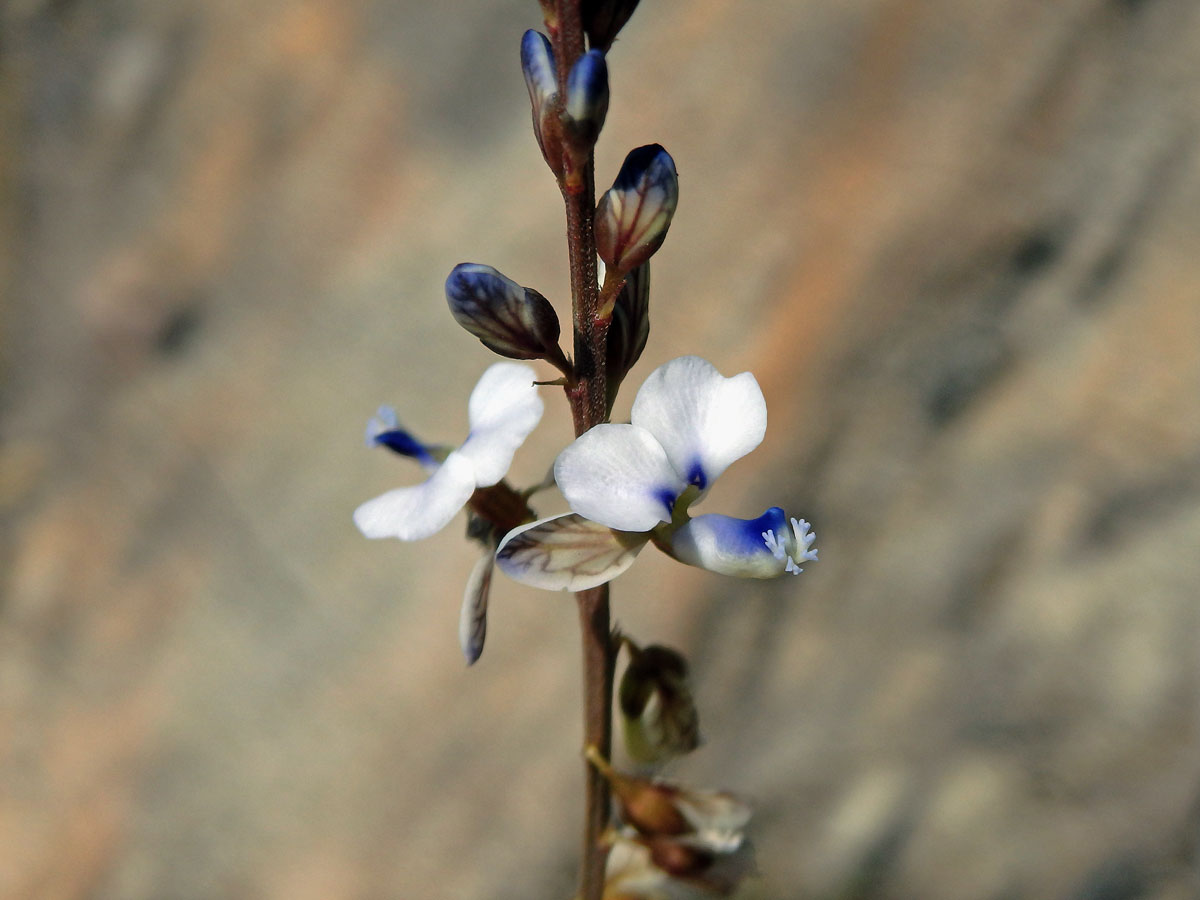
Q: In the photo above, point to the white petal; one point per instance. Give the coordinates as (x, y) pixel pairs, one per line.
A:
(503, 410)
(567, 553)
(472, 619)
(618, 475)
(416, 512)
(703, 420)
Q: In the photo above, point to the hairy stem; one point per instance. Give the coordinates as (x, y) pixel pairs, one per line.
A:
(588, 408)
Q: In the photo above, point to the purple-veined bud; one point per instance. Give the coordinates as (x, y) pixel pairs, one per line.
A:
(587, 97)
(628, 329)
(514, 321)
(602, 19)
(633, 215)
(658, 714)
(541, 77)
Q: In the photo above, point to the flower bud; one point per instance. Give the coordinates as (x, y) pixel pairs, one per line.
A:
(514, 321)
(633, 215)
(656, 705)
(628, 329)
(541, 78)
(602, 19)
(587, 97)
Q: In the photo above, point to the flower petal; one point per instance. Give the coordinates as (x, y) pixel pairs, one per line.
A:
(618, 475)
(412, 513)
(472, 620)
(703, 420)
(567, 553)
(504, 408)
(765, 547)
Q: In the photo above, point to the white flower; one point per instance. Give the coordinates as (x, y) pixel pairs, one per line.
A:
(504, 408)
(688, 424)
(629, 483)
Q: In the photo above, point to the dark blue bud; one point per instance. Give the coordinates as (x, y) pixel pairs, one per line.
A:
(633, 216)
(537, 62)
(541, 78)
(587, 96)
(514, 321)
(602, 19)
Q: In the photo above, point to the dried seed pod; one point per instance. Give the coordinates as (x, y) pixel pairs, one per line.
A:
(656, 705)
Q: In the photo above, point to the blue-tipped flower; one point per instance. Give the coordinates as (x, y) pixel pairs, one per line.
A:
(514, 321)
(587, 97)
(631, 483)
(766, 547)
(633, 216)
(541, 77)
(602, 19)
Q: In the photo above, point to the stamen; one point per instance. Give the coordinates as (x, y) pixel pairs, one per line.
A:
(773, 544)
(804, 539)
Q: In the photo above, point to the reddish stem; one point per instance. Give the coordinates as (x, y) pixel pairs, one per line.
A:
(586, 394)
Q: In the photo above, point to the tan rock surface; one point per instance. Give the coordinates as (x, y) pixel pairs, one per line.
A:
(956, 242)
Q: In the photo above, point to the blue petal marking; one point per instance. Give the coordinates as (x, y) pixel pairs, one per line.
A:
(667, 498)
(696, 476)
(744, 537)
(403, 443)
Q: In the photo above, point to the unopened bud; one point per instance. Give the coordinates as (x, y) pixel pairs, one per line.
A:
(514, 321)
(587, 97)
(656, 705)
(633, 215)
(628, 329)
(602, 19)
(541, 77)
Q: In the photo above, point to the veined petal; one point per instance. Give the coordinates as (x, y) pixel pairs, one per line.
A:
(620, 476)
(472, 620)
(504, 408)
(765, 547)
(703, 420)
(567, 553)
(412, 513)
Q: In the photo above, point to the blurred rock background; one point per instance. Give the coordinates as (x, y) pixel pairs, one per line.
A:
(957, 244)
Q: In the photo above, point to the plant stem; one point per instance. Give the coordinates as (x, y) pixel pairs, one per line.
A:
(588, 408)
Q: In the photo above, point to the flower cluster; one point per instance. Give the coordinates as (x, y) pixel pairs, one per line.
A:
(627, 484)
